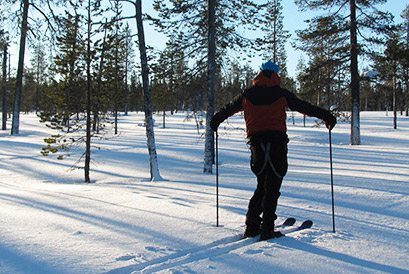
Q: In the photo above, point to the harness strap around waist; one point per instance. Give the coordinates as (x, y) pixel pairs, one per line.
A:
(267, 159)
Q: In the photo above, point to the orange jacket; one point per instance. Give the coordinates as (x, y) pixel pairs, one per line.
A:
(264, 107)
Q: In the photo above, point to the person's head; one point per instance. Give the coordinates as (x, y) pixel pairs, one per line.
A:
(268, 75)
(268, 68)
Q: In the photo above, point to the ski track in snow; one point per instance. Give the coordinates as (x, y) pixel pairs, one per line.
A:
(122, 223)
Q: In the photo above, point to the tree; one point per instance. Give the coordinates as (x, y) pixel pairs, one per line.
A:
(19, 83)
(25, 4)
(4, 46)
(326, 45)
(39, 66)
(370, 26)
(405, 76)
(170, 80)
(4, 51)
(72, 110)
(115, 64)
(89, 96)
(135, 93)
(70, 65)
(390, 65)
(129, 54)
(189, 24)
(273, 43)
(211, 76)
(355, 123)
(153, 159)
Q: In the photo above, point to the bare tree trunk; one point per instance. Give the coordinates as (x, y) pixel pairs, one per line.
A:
(19, 83)
(275, 33)
(395, 118)
(126, 78)
(153, 158)
(96, 104)
(406, 71)
(37, 99)
(4, 89)
(88, 134)
(209, 143)
(355, 127)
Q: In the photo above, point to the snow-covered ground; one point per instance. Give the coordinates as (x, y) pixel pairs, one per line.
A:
(52, 222)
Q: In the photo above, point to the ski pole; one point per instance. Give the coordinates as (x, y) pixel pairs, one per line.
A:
(217, 179)
(332, 182)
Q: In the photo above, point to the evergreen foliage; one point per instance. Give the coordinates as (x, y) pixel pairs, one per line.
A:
(358, 31)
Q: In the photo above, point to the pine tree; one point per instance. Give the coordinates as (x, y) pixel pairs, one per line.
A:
(15, 128)
(70, 66)
(370, 27)
(273, 43)
(4, 49)
(72, 93)
(405, 38)
(68, 96)
(390, 66)
(170, 79)
(129, 55)
(115, 64)
(39, 67)
(24, 27)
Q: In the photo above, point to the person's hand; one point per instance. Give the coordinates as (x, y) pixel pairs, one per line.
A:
(330, 121)
(214, 124)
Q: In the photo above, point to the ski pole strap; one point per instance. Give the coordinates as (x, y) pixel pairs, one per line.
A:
(266, 147)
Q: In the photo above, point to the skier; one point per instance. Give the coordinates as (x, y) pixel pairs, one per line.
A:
(264, 106)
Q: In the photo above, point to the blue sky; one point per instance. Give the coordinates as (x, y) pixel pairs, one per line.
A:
(293, 20)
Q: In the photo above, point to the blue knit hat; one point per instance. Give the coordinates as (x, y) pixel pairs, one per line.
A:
(269, 66)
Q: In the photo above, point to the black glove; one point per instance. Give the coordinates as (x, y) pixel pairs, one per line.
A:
(214, 123)
(330, 121)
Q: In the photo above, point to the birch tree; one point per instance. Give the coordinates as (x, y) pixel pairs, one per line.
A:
(153, 158)
(150, 135)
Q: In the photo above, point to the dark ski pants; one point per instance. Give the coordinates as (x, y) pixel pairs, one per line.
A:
(269, 164)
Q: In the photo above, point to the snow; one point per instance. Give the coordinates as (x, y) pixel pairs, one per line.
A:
(52, 222)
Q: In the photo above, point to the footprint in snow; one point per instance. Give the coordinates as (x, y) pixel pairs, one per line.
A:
(253, 251)
(125, 258)
(158, 249)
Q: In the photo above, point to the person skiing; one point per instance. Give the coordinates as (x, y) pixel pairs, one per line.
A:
(264, 105)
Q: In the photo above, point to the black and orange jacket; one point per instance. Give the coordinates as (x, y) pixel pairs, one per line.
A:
(265, 105)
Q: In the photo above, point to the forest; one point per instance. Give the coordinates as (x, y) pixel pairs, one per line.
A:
(87, 64)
